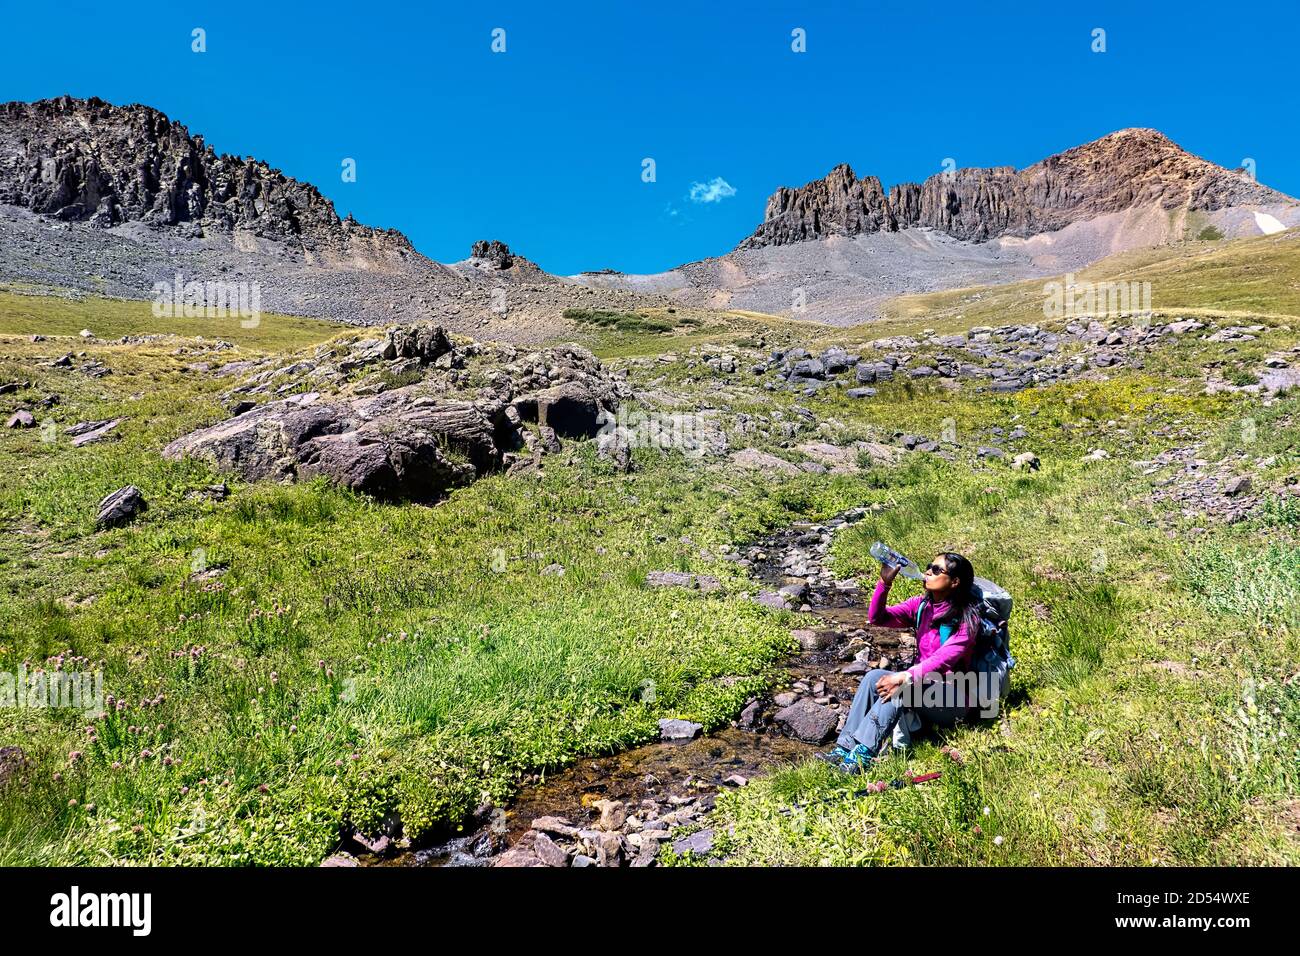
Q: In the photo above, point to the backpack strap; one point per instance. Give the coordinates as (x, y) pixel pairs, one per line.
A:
(945, 630)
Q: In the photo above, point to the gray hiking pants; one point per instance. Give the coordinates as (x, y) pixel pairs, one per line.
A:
(871, 720)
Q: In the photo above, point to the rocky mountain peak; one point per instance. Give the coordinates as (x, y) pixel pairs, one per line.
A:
(86, 160)
(1127, 169)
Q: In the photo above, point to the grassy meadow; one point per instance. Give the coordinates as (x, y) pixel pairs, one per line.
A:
(296, 659)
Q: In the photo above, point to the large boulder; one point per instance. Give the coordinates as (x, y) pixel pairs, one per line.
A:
(463, 417)
(754, 459)
(399, 444)
(807, 720)
(426, 343)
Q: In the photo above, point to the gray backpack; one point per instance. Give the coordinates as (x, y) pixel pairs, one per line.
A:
(993, 660)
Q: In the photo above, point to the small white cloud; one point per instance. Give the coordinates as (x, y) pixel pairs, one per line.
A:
(715, 190)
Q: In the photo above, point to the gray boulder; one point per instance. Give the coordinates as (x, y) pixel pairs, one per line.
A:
(120, 507)
(398, 444)
(807, 720)
(700, 842)
(427, 343)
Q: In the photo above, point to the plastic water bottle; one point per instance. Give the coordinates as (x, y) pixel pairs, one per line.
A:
(887, 555)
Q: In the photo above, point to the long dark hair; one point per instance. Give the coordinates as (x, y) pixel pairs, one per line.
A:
(966, 599)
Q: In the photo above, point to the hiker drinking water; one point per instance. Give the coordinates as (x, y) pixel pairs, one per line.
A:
(948, 625)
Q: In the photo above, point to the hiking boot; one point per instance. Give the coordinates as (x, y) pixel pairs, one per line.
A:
(834, 757)
(858, 760)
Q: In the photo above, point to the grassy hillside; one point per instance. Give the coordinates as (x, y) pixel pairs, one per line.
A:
(295, 659)
(1257, 277)
(113, 318)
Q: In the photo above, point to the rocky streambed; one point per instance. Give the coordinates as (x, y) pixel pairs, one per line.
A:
(619, 810)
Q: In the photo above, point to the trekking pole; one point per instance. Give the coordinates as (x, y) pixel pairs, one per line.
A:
(880, 787)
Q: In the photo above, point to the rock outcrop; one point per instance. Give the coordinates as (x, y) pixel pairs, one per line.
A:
(1132, 168)
(417, 441)
(493, 254)
(89, 161)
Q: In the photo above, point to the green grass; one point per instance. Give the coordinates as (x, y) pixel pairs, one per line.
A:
(444, 683)
(1257, 277)
(623, 321)
(356, 660)
(114, 318)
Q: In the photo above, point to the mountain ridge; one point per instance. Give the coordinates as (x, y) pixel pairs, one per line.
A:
(105, 165)
(112, 199)
(1128, 168)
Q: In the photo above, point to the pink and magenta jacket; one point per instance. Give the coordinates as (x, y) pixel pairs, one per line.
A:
(935, 656)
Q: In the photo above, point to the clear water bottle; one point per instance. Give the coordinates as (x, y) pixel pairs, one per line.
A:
(887, 555)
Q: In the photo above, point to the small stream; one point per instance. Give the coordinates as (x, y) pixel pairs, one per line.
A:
(672, 783)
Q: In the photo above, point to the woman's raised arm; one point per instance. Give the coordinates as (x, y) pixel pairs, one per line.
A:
(898, 615)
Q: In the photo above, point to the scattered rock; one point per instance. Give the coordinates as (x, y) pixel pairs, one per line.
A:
(21, 419)
(613, 814)
(670, 579)
(87, 433)
(772, 600)
(674, 729)
(1237, 486)
(609, 849)
(751, 459)
(549, 852)
(555, 825)
(751, 715)
(811, 640)
(808, 721)
(700, 842)
(121, 507)
(520, 855)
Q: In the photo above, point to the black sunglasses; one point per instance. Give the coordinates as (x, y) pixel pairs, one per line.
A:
(935, 569)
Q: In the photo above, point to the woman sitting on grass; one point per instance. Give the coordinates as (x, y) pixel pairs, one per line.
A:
(947, 624)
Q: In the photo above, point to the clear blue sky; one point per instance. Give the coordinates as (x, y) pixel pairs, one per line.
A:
(542, 146)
